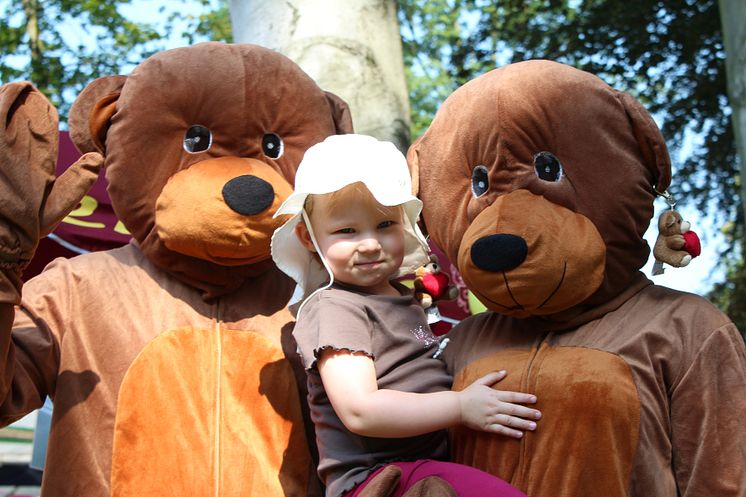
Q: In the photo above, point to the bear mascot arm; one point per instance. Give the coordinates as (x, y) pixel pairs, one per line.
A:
(538, 182)
(33, 203)
(169, 360)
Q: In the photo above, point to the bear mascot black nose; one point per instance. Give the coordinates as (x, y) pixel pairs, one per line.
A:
(496, 253)
(248, 195)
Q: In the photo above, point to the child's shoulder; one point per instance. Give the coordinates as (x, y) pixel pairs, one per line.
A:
(338, 292)
(343, 300)
(332, 300)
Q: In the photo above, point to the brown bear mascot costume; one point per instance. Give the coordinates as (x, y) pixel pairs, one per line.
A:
(538, 181)
(166, 359)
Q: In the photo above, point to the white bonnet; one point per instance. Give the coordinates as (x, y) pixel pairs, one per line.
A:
(339, 161)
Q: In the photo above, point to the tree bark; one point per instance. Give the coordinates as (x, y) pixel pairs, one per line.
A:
(733, 18)
(350, 47)
(31, 10)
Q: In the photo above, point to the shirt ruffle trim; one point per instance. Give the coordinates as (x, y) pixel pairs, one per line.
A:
(317, 352)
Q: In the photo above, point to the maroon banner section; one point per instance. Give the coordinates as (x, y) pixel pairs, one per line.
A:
(92, 226)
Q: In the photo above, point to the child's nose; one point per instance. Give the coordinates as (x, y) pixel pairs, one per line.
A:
(369, 244)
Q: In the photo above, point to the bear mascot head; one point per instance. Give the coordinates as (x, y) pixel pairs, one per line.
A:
(226, 147)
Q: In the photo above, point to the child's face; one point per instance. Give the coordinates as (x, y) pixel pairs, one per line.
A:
(362, 241)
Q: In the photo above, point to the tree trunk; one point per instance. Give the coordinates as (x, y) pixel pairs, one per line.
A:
(31, 11)
(350, 47)
(733, 18)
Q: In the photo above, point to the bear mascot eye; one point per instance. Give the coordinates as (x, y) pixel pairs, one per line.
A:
(272, 146)
(197, 139)
(480, 181)
(547, 166)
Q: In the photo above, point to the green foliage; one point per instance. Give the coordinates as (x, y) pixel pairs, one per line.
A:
(213, 23)
(667, 53)
(442, 51)
(62, 45)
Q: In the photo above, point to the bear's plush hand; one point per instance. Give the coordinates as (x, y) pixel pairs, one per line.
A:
(33, 201)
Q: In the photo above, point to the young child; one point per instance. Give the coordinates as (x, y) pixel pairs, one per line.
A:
(377, 395)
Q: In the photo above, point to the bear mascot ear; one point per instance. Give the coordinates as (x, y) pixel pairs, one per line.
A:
(90, 114)
(414, 171)
(650, 140)
(340, 113)
(414, 167)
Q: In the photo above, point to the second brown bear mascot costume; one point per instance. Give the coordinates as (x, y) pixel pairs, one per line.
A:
(166, 359)
(538, 181)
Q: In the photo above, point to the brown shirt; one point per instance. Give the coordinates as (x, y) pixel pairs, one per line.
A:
(393, 331)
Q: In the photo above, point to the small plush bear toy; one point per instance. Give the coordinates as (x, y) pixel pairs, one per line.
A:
(431, 284)
(676, 244)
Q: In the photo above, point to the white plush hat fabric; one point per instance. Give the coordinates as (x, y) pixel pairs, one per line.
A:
(338, 161)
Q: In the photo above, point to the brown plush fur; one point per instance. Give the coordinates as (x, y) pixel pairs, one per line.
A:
(577, 246)
(383, 484)
(169, 360)
(633, 405)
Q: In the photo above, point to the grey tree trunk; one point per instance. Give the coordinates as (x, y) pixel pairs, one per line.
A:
(733, 19)
(350, 47)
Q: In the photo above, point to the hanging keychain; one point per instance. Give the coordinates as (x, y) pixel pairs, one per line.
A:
(432, 285)
(676, 244)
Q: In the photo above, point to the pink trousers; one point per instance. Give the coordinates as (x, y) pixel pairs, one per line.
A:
(465, 480)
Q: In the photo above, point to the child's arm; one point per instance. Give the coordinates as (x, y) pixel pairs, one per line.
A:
(350, 382)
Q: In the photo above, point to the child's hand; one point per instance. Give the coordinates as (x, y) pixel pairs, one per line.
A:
(497, 411)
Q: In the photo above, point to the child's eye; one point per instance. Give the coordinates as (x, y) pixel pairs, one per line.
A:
(386, 224)
(345, 231)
